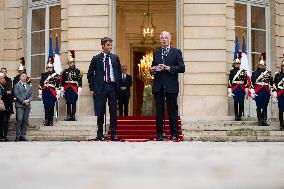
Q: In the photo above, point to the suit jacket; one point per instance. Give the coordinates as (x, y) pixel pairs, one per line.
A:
(96, 72)
(127, 82)
(168, 79)
(21, 94)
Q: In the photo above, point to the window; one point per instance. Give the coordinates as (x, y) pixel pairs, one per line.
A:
(44, 20)
(252, 22)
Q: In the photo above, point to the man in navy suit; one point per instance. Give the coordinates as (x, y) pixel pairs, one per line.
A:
(167, 63)
(103, 77)
(124, 91)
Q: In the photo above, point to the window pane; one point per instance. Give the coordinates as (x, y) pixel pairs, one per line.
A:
(241, 32)
(258, 17)
(37, 43)
(55, 17)
(37, 65)
(36, 0)
(35, 84)
(38, 19)
(53, 34)
(254, 60)
(258, 41)
(241, 14)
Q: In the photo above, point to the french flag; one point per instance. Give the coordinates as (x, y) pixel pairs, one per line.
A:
(57, 62)
(244, 62)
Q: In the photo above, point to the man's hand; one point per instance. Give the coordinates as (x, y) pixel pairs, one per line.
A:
(94, 93)
(9, 92)
(122, 88)
(168, 68)
(162, 66)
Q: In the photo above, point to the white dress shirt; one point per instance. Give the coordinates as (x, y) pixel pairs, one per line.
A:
(112, 79)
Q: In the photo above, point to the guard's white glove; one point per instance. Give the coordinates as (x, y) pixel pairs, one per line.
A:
(58, 94)
(252, 94)
(274, 97)
(79, 90)
(62, 92)
(274, 100)
(230, 93)
(274, 94)
(40, 94)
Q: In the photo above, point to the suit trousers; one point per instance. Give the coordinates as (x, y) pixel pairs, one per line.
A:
(109, 94)
(2, 123)
(171, 99)
(22, 117)
(123, 101)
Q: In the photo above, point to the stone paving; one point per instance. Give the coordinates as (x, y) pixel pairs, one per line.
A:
(123, 165)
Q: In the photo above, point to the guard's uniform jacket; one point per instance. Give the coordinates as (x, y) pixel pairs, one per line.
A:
(71, 81)
(279, 88)
(238, 83)
(262, 83)
(49, 84)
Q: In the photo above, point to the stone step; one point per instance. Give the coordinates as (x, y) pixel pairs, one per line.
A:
(235, 136)
(229, 128)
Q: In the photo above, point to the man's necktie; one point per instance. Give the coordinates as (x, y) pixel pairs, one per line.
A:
(164, 54)
(24, 86)
(107, 68)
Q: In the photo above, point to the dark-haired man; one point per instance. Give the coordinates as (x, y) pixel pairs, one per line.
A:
(103, 78)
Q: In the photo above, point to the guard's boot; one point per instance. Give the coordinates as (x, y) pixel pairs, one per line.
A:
(264, 117)
(68, 116)
(281, 121)
(241, 111)
(258, 112)
(51, 113)
(236, 111)
(46, 122)
(73, 112)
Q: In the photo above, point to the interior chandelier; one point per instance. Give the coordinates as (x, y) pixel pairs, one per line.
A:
(147, 28)
(144, 68)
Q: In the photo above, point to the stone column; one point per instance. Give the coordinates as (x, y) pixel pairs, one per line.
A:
(205, 81)
(84, 23)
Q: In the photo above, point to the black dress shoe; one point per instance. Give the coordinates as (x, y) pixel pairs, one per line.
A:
(175, 139)
(114, 138)
(17, 139)
(159, 138)
(23, 139)
(6, 139)
(264, 123)
(100, 138)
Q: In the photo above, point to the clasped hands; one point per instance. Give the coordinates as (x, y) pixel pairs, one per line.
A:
(160, 67)
(26, 102)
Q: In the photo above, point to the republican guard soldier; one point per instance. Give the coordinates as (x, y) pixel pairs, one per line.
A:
(238, 87)
(262, 86)
(279, 92)
(72, 86)
(49, 91)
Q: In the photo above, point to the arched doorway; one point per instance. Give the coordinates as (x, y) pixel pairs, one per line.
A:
(129, 17)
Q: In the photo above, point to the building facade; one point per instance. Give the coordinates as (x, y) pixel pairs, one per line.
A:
(205, 30)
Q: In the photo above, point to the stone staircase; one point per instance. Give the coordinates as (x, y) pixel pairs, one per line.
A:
(217, 131)
(234, 131)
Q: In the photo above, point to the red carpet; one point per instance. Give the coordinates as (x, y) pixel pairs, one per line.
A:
(141, 128)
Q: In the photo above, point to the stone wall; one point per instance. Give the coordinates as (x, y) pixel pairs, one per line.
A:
(12, 47)
(204, 43)
(83, 24)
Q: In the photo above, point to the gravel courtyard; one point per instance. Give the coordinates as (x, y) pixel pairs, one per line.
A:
(123, 165)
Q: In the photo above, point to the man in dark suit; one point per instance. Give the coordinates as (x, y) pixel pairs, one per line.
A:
(8, 86)
(103, 78)
(124, 91)
(167, 63)
(24, 94)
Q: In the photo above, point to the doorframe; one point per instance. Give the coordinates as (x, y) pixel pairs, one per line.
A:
(179, 41)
